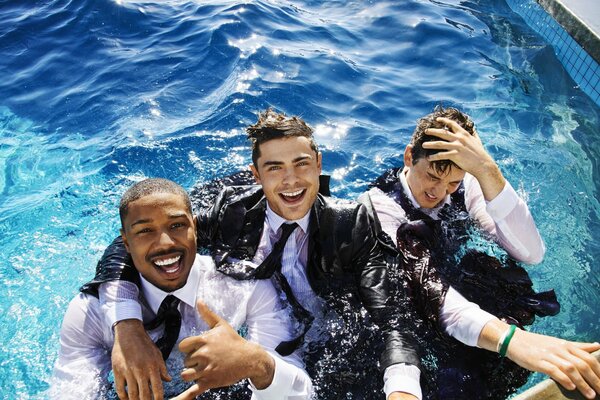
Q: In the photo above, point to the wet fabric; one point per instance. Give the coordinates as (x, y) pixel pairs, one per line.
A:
(432, 256)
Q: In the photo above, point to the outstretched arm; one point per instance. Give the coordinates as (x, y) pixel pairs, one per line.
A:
(568, 363)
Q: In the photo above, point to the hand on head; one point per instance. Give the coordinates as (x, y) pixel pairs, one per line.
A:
(468, 153)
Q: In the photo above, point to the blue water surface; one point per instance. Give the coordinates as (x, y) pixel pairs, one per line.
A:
(98, 94)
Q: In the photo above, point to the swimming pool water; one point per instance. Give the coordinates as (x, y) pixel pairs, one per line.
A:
(96, 95)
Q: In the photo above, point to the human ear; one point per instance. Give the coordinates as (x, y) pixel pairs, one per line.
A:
(255, 173)
(408, 159)
(125, 242)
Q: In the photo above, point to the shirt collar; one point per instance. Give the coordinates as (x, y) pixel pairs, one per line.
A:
(275, 221)
(187, 294)
(412, 198)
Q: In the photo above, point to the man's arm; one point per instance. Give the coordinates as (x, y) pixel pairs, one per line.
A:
(374, 289)
(508, 219)
(492, 201)
(221, 357)
(569, 363)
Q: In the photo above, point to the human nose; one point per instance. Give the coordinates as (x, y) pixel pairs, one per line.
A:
(165, 240)
(290, 177)
(438, 189)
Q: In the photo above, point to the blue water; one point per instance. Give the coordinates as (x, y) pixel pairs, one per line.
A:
(97, 94)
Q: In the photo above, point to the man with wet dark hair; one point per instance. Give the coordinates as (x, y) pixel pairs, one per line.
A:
(316, 248)
(177, 290)
(425, 211)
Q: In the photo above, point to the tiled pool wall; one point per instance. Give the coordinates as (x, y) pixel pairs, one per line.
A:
(582, 67)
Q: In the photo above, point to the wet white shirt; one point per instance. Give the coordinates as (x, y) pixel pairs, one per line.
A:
(506, 218)
(86, 337)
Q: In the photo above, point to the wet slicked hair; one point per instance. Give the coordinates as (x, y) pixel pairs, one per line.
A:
(429, 121)
(148, 187)
(273, 125)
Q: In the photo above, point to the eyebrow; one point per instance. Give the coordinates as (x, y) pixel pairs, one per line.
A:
(148, 220)
(295, 160)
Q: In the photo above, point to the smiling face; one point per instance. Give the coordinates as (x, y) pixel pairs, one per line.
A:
(288, 170)
(428, 186)
(160, 234)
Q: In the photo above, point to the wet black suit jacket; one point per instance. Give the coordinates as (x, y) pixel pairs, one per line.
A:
(343, 253)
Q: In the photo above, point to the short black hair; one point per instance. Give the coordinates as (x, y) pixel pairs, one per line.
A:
(151, 186)
(273, 125)
(429, 121)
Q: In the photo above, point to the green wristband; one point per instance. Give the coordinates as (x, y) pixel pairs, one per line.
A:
(506, 341)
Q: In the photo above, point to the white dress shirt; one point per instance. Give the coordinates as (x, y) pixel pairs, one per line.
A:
(87, 337)
(506, 218)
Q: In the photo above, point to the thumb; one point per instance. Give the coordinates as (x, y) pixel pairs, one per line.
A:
(207, 315)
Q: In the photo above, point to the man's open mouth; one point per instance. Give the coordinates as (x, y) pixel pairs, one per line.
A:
(170, 264)
(292, 197)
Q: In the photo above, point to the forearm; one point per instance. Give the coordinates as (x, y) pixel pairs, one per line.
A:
(508, 219)
(462, 319)
(491, 334)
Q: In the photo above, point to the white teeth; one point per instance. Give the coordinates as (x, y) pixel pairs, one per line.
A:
(172, 270)
(292, 194)
(168, 261)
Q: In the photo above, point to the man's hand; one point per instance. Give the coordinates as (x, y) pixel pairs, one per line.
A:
(137, 363)
(221, 357)
(401, 396)
(568, 363)
(466, 151)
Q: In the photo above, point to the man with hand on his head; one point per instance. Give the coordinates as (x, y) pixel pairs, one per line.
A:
(177, 290)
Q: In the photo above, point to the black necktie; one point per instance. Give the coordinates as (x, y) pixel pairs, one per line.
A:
(169, 314)
(271, 266)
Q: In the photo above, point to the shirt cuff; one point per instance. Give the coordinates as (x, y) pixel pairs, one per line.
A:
(286, 382)
(502, 205)
(121, 311)
(402, 378)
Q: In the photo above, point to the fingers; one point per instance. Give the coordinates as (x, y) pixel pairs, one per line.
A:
(574, 368)
(207, 315)
(157, 386)
(164, 374)
(191, 393)
(589, 367)
(444, 155)
(144, 390)
(191, 374)
(453, 125)
(120, 387)
(191, 344)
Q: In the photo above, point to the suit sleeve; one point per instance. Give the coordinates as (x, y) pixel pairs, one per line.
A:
(375, 291)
